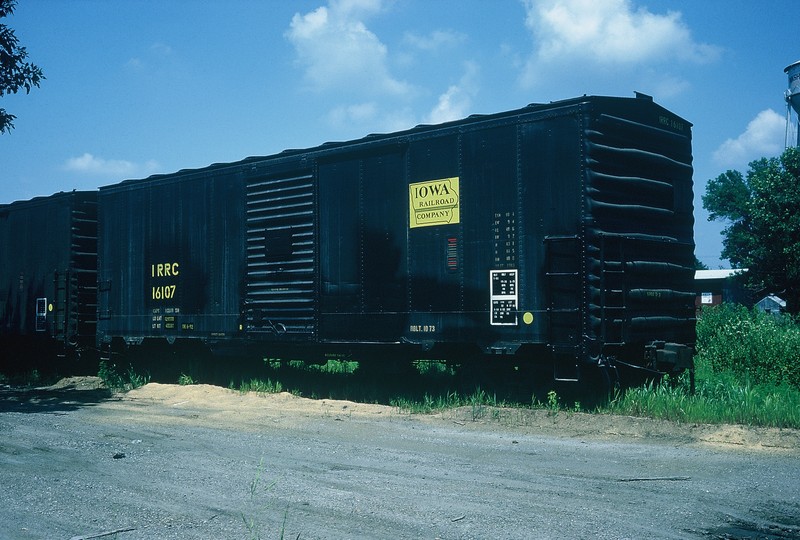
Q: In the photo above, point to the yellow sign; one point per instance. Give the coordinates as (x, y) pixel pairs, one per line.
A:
(164, 291)
(434, 202)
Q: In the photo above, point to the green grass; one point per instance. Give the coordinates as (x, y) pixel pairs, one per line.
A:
(331, 366)
(260, 386)
(258, 504)
(334, 367)
(719, 398)
(185, 380)
(434, 368)
(113, 379)
(747, 372)
(292, 375)
(428, 404)
(479, 401)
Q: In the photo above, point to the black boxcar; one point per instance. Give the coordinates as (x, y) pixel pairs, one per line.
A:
(48, 279)
(557, 233)
(170, 256)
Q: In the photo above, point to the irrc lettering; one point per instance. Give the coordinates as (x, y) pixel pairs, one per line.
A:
(164, 270)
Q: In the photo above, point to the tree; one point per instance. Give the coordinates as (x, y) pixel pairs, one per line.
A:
(15, 72)
(763, 214)
(699, 265)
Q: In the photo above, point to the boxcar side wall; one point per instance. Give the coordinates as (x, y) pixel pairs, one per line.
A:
(415, 234)
(171, 256)
(564, 228)
(553, 179)
(363, 248)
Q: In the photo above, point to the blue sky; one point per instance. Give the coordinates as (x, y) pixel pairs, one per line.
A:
(141, 87)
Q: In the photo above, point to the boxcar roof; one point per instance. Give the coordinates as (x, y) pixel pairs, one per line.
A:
(37, 201)
(641, 99)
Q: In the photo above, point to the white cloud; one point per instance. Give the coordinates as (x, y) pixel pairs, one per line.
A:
(93, 165)
(161, 49)
(456, 101)
(667, 86)
(157, 54)
(357, 118)
(611, 31)
(605, 33)
(346, 114)
(339, 52)
(434, 41)
(764, 137)
(398, 120)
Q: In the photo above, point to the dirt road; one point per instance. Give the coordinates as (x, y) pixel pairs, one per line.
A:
(169, 461)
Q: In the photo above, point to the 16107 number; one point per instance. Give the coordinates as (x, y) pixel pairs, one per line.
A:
(164, 292)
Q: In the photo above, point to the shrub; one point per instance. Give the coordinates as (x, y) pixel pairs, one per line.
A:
(755, 346)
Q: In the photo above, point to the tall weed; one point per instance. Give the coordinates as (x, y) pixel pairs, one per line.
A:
(747, 372)
(260, 386)
(719, 398)
(114, 380)
(756, 347)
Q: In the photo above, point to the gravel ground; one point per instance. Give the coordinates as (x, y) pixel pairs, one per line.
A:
(168, 461)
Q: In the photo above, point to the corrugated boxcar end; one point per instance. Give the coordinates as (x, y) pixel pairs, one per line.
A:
(639, 240)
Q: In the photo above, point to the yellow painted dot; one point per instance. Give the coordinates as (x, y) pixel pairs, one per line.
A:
(50, 307)
(527, 318)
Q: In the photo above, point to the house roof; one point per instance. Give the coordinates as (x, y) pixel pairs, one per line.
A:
(718, 274)
(773, 299)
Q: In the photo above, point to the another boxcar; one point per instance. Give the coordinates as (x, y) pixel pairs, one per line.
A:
(558, 233)
(171, 256)
(48, 279)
